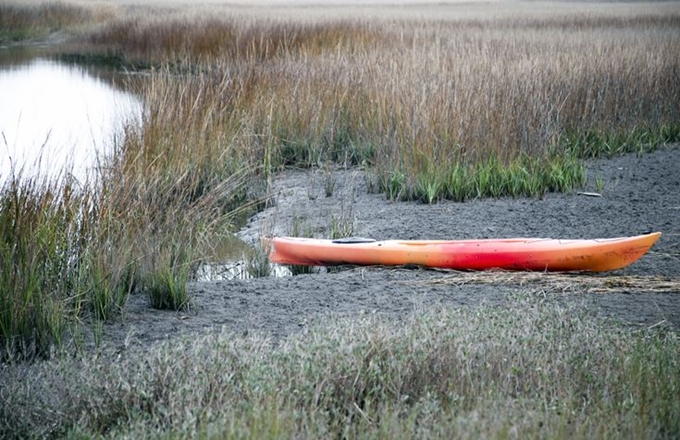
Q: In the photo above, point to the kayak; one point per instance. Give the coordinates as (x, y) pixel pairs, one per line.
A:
(527, 254)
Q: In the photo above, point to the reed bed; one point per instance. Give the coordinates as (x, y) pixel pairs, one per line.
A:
(36, 20)
(454, 107)
(530, 369)
(71, 253)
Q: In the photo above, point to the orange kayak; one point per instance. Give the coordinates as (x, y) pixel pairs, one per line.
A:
(535, 254)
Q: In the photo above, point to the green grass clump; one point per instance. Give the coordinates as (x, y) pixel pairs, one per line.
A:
(604, 143)
(167, 274)
(521, 370)
(257, 263)
(37, 241)
(522, 177)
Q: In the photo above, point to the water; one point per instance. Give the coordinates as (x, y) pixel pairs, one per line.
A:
(56, 116)
(234, 270)
(229, 259)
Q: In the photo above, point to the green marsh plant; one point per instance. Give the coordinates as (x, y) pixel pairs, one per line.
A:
(599, 184)
(39, 259)
(484, 372)
(343, 224)
(257, 263)
(300, 228)
(165, 279)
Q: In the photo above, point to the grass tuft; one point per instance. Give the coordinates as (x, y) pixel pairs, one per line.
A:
(257, 264)
(165, 280)
(37, 240)
(300, 228)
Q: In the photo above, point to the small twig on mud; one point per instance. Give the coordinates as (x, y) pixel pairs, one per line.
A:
(663, 321)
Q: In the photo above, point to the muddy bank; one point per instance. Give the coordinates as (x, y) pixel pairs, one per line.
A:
(638, 195)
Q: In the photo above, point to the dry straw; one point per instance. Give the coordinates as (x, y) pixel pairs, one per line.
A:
(565, 283)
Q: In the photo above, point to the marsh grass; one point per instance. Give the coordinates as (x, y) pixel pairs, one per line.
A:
(34, 20)
(518, 370)
(60, 260)
(300, 228)
(73, 252)
(452, 108)
(165, 280)
(510, 103)
(418, 100)
(257, 263)
(639, 140)
(342, 224)
(36, 239)
(523, 177)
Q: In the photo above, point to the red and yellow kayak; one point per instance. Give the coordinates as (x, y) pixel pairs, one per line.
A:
(535, 254)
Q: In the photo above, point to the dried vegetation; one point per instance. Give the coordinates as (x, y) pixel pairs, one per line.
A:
(452, 105)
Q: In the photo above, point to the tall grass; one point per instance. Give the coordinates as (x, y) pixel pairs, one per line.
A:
(522, 370)
(74, 252)
(176, 182)
(32, 261)
(422, 99)
(454, 108)
(70, 253)
(35, 20)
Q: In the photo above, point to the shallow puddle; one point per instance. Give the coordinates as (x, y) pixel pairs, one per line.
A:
(234, 270)
(231, 258)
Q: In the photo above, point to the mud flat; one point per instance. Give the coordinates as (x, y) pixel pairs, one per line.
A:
(638, 194)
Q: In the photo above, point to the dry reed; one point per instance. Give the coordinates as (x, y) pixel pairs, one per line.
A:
(422, 100)
(566, 283)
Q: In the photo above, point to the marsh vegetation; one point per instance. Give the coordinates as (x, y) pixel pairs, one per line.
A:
(456, 104)
(520, 371)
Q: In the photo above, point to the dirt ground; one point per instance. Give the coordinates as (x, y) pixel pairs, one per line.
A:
(639, 194)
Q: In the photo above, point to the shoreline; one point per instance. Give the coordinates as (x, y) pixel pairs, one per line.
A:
(640, 193)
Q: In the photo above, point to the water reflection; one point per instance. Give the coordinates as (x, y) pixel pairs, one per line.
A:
(54, 115)
(234, 270)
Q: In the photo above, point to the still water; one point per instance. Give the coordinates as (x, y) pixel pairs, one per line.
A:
(56, 116)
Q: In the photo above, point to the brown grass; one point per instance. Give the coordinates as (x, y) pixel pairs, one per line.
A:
(565, 283)
(421, 96)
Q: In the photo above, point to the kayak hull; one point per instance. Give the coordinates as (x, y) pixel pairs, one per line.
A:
(526, 254)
